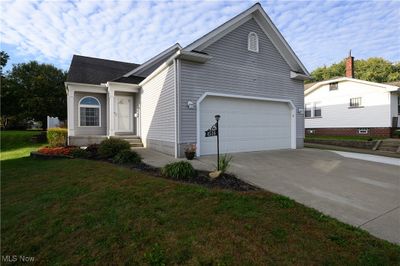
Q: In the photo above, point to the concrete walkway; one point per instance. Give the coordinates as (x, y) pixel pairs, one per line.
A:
(369, 157)
(354, 150)
(359, 192)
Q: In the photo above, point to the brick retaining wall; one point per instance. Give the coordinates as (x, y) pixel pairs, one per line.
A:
(373, 132)
(362, 144)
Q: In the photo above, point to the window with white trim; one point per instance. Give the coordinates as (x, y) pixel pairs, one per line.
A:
(398, 104)
(317, 110)
(89, 112)
(355, 102)
(252, 42)
(307, 110)
(333, 86)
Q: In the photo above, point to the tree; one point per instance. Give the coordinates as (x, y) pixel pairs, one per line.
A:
(3, 60)
(34, 91)
(374, 69)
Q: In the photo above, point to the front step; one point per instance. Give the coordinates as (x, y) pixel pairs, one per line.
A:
(390, 145)
(133, 140)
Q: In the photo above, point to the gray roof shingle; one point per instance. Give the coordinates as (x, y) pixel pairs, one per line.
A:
(92, 70)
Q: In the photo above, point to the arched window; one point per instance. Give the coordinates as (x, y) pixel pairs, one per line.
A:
(89, 112)
(252, 42)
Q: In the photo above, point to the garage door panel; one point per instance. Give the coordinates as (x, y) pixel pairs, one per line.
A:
(245, 125)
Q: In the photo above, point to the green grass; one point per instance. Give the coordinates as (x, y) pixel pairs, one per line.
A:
(17, 144)
(70, 211)
(344, 137)
(86, 212)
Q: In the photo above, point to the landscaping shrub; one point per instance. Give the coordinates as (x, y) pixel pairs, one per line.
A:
(79, 153)
(110, 147)
(93, 150)
(57, 137)
(224, 162)
(180, 170)
(127, 156)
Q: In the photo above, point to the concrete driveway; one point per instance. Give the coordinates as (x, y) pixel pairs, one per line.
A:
(362, 193)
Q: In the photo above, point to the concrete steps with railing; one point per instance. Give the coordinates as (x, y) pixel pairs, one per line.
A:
(134, 141)
(390, 145)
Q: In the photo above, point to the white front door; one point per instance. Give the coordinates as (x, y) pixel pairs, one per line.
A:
(123, 114)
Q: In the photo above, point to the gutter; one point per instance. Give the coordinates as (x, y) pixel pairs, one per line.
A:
(299, 76)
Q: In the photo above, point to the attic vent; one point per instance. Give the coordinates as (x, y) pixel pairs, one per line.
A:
(252, 42)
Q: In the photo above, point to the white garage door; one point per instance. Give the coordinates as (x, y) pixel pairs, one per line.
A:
(245, 125)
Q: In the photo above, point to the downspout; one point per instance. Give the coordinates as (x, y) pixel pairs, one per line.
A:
(176, 100)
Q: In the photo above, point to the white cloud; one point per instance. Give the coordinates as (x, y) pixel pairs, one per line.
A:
(320, 32)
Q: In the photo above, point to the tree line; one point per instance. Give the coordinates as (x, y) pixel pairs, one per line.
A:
(31, 92)
(373, 69)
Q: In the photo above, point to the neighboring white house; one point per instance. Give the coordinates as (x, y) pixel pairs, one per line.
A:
(349, 106)
(243, 71)
(53, 122)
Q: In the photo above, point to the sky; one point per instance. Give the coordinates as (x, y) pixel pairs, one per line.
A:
(320, 32)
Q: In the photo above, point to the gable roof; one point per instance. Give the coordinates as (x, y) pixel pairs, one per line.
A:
(95, 70)
(266, 24)
(309, 85)
(155, 61)
(316, 85)
(92, 70)
(394, 83)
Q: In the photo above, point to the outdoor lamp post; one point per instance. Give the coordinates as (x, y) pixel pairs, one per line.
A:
(212, 132)
(217, 117)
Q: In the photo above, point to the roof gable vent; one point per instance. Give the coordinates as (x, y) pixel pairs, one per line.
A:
(252, 42)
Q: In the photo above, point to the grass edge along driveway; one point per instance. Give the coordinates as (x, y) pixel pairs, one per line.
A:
(87, 212)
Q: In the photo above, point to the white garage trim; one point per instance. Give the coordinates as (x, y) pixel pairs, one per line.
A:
(289, 102)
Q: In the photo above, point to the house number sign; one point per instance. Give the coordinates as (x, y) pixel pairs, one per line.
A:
(212, 132)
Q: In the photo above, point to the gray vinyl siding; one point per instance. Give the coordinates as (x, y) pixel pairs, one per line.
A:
(158, 112)
(85, 131)
(235, 70)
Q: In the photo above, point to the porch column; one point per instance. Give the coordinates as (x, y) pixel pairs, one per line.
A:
(71, 112)
(111, 103)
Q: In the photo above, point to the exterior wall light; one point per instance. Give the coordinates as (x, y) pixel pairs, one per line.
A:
(190, 104)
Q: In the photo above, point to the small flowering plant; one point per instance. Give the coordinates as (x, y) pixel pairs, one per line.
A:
(190, 151)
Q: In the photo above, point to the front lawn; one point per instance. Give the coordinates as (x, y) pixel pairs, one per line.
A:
(16, 144)
(71, 211)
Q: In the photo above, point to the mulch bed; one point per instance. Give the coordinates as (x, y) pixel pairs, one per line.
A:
(225, 181)
(39, 155)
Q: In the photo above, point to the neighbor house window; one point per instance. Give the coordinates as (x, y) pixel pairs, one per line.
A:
(355, 102)
(333, 86)
(252, 42)
(89, 112)
(307, 110)
(363, 131)
(317, 110)
(398, 104)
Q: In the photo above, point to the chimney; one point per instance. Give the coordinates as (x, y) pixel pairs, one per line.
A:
(350, 66)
